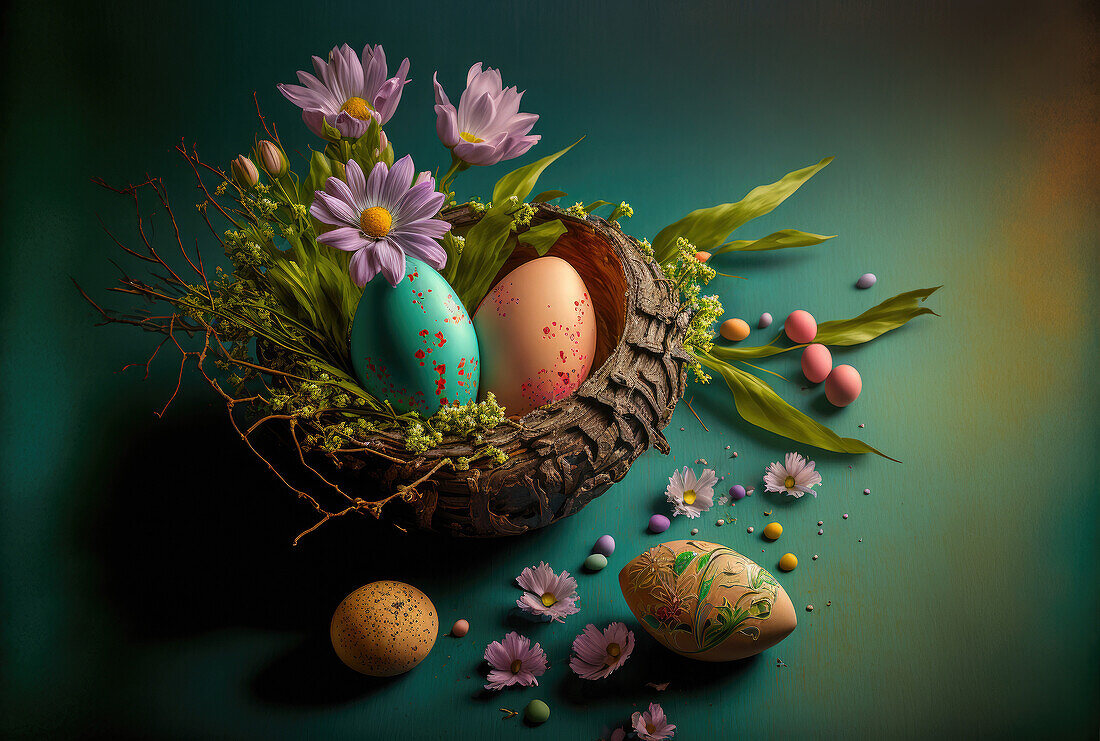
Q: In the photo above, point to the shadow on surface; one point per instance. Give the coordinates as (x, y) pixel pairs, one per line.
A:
(206, 544)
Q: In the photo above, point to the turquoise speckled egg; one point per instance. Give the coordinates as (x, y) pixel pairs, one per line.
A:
(415, 345)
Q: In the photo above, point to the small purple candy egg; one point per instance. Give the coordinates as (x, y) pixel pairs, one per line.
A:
(737, 492)
(765, 321)
(605, 545)
(658, 523)
(866, 280)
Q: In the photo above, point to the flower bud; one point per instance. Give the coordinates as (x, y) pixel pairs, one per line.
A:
(272, 159)
(383, 141)
(424, 177)
(245, 172)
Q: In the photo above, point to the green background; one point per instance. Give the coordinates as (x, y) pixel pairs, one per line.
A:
(148, 584)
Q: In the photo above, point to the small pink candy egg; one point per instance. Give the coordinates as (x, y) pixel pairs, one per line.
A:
(843, 385)
(801, 327)
(817, 361)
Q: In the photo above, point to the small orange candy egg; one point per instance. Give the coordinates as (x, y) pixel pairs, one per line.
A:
(702, 255)
(773, 530)
(734, 330)
(788, 562)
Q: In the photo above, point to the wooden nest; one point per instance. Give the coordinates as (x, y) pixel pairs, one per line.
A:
(563, 455)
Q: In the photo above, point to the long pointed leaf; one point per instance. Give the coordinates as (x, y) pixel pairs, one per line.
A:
(521, 182)
(707, 228)
(758, 404)
(780, 240)
(875, 322)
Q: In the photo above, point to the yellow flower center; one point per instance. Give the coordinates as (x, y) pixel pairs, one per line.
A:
(375, 222)
(689, 496)
(516, 666)
(789, 482)
(471, 138)
(613, 652)
(650, 728)
(356, 108)
(548, 599)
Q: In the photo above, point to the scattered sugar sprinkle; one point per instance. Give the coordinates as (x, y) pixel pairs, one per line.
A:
(681, 429)
(750, 528)
(861, 426)
(695, 531)
(768, 513)
(700, 461)
(815, 556)
(720, 523)
(820, 523)
(861, 540)
(820, 532)
(845, 515)
(866, 491)
(727, 447)
(809, 608)
(829, 603)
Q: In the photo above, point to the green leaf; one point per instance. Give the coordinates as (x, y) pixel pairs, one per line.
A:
(543, 236)
(702, 562)
(330, 132)
(707, 228)
(683, 561)
(758, 404)
(548, 195)
(704, 588)
(594, 205)
(780, 240)
(487, 248)
(521, 182)
(652, 622)
(320, 170)
(875, 322)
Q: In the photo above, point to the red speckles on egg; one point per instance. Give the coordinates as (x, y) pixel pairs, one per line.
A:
(538, 349)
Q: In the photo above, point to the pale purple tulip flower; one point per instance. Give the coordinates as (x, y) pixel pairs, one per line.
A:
(348, 91)
(382, 219)
(514, 661)
(487, 126)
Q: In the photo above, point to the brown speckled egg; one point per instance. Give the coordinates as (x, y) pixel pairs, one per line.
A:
(384, 628)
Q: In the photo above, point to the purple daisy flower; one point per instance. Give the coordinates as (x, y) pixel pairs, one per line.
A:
(598, 653)
(652, 725)
(546, 593)
(487, 126)
(382, 218)
(348, 91)
(514, 661)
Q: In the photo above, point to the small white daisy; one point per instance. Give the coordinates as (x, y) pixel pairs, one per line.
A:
(691, 496)
(795, 476)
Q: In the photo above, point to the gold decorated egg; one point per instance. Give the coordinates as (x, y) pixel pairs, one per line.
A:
(706, 601)
(384, 628)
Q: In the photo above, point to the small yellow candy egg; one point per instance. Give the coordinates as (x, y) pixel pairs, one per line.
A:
(734, 330)
(773, 530)
(788, 562)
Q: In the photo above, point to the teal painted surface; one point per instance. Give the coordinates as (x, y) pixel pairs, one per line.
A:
(142, 595)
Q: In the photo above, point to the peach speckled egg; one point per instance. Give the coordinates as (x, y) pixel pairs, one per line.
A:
(801, 327)
(706, 601)
(537, 335)
(817, 361)
(843, 386)
(384, 628)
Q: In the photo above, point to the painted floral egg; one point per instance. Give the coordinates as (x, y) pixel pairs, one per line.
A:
(706, 601)
(537, 333)
(414, 345)
(384, 628)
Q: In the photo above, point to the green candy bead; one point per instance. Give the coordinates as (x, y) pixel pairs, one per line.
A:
(595, 562)
(537, 711)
